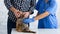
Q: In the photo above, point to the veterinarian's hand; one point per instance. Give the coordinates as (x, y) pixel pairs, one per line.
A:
(26, 14)
(29, 20)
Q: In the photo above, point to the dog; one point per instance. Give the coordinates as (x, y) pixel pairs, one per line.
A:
(22, 27)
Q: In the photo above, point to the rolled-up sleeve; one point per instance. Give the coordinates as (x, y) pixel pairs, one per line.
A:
(8, 3)
(32, 7)
(52, 7)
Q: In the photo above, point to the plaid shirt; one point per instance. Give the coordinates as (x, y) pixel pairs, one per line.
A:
(22, 5)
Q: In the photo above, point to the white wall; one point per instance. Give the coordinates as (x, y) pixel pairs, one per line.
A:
(58, 11)
(3, 13)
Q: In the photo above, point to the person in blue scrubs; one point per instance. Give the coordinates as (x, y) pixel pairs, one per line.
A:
(46, 14)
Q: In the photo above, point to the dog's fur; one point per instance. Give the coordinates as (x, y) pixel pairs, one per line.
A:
(22, 27)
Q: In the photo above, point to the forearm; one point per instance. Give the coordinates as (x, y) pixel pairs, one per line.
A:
(13, 9)
(9, 5)
(41, 16)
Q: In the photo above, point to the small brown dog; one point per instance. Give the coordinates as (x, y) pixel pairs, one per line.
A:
(22, 27)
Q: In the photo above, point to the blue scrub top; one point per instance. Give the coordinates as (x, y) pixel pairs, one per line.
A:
(49, 21)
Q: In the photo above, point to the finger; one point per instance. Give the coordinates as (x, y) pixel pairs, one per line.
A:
(26, 16)
(17, 15)
(23, 13)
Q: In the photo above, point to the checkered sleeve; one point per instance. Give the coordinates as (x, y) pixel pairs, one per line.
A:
(8, 3)
(32, 6)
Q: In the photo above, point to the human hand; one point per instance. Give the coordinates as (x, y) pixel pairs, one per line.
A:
(28, 20)
(26, 14)
(17, 13)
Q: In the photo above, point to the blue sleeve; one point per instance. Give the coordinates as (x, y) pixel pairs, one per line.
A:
(37, 5)
(8, 3)
(52, 7)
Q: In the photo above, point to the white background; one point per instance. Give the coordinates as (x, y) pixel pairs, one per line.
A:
(3, 21)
